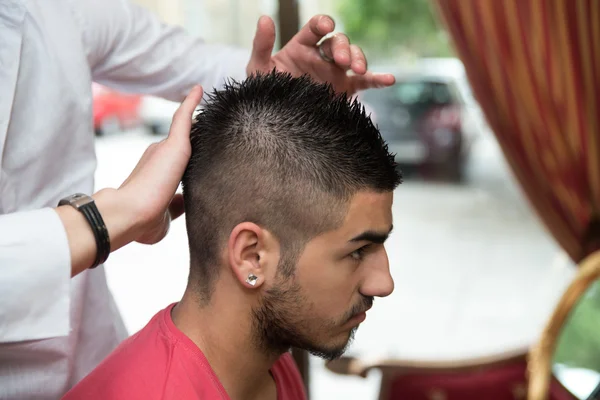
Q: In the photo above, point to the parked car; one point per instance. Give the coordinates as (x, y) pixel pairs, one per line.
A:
(114, 111)
(429, 117)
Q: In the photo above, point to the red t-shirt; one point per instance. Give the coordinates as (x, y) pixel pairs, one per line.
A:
(160, 362)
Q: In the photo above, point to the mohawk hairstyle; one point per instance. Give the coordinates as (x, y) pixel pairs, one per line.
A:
(284, 152)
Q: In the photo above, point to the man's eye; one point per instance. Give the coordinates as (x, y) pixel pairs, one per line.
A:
(359, 254)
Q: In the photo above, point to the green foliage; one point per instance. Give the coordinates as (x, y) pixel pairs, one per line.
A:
(579, 342)
(394, 27)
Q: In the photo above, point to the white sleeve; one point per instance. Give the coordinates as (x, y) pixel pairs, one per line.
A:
(131, 50)
(35, 273)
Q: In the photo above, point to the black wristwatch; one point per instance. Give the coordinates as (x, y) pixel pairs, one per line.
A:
(86, 205)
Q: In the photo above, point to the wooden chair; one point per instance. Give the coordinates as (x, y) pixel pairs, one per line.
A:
(496, 377)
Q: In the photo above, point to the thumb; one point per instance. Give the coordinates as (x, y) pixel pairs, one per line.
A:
(262, 46)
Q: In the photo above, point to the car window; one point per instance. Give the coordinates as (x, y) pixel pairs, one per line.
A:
(423, 93)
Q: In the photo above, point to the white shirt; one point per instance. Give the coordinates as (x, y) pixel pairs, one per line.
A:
(54, 329)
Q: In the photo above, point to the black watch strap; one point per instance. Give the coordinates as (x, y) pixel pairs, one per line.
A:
(86, 205)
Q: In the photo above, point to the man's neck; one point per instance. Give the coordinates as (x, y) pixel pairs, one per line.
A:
(223, 333)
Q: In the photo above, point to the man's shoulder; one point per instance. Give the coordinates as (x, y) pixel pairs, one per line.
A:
(137, 369)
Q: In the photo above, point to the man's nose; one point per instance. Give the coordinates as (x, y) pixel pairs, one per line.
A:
(379, 281)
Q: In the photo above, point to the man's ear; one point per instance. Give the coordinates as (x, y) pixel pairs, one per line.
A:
(253, 254)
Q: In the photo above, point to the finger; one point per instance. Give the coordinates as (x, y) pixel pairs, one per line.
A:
(182, 120)
(314, 30)
(264, 41)
(340, 50)
(359, 61)
(371, 80)
(176, 207)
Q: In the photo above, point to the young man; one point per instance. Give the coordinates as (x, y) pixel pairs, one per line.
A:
(288, 197)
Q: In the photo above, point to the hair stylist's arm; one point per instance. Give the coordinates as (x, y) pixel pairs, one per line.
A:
(141, 209)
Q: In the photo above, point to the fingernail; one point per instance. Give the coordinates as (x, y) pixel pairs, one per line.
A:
(329, 23)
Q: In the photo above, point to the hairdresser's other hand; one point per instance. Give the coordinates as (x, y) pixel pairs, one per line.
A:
(154, 181)
(301, 56)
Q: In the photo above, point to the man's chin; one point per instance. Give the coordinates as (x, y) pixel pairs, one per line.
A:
(333, 351)
(328, 354)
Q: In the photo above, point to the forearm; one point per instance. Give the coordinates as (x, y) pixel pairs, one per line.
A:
(40, 251)
(207, 65)
(119, 221)
(34, 276)
(131, 50)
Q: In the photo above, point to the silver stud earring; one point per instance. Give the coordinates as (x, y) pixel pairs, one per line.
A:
(251, 280)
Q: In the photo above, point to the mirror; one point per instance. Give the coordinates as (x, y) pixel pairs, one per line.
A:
(576, 358)
(567, 357)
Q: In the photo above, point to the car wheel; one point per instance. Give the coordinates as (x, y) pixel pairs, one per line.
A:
(109, 126)
(161, 128)
(156, 129)
(457, 173)
(455, 169)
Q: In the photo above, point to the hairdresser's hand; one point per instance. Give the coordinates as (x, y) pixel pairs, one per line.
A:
(153, 182)
(142, 208)
(301, 56)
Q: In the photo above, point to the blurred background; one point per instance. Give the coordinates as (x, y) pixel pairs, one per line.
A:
(476, 272)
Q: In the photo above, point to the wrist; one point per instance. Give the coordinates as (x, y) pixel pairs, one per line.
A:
(118, 217)
(121, 219)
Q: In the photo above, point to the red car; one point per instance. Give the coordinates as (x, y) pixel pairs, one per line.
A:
(114, 111)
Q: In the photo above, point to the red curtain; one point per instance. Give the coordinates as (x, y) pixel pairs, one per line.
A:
(534, 68)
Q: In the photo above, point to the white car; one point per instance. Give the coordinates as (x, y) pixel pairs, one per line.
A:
(157, 113)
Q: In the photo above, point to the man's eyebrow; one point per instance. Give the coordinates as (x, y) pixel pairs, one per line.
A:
(373, 236)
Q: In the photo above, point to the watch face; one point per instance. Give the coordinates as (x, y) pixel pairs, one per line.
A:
(76, 200)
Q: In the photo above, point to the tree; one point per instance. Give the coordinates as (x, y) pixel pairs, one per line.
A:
(394, 27)
(579, 342)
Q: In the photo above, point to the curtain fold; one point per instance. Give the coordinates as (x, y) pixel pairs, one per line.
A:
(534, 68)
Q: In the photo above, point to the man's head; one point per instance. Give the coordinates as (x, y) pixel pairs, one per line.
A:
(293, 184)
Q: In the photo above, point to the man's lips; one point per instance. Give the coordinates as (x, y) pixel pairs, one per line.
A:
(359, 317)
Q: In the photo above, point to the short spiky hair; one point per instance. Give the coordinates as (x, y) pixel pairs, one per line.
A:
(284, 152)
